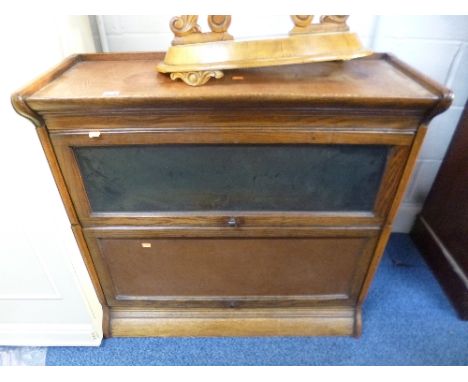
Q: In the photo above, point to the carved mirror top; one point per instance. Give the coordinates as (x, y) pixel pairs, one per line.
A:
(197, 56)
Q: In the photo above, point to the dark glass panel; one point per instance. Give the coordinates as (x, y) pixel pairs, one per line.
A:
(232, 177)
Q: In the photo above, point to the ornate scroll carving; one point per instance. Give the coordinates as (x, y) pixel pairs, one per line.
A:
(334, 23)
(328, 23)
(184, 25)
(219, 23)
(187, 31)
(334, 19)
(197, 78)
(197, 56)
(302, 21)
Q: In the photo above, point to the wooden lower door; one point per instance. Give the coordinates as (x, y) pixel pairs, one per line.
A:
(148, 268)
(232, 282)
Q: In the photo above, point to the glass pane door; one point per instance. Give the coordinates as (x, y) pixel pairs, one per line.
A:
(207, 177)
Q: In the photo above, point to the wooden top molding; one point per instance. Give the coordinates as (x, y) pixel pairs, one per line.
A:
(130, 81)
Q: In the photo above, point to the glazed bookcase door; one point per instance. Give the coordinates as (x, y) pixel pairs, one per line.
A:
(118, 176)
(204, 178)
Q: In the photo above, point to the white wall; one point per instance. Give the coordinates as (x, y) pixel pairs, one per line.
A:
(152, 33)
(46, 296)
(436, 45)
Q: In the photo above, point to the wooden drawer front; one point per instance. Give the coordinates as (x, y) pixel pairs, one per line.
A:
(117, 179)
(232, 271)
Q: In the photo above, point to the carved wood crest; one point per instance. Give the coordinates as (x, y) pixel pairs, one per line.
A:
(197, 56)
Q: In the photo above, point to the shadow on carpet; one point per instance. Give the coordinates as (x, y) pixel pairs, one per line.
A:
(407, 320)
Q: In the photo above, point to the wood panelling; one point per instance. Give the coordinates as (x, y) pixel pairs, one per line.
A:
(397, 198)
(228, 116)
(441, 231)
(127, 322)
(301, 269)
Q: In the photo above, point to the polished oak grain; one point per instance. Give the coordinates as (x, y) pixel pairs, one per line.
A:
(113, 79)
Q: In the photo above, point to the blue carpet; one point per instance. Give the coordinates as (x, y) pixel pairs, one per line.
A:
(407, 320)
